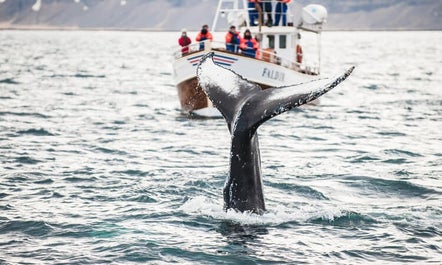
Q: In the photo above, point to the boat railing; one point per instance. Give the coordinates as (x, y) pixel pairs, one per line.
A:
(205, 45)
(268, 55)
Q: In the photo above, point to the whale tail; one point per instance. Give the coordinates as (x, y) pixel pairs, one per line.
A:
(244, 105)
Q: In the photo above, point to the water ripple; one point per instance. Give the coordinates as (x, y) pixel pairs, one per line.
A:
(98, 164)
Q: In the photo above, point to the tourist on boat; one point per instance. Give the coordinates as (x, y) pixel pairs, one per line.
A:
(233, 40)
(249, 45)
(253, 13)
(203, 35)
(266, 6)
(184, 42)
(281, 11)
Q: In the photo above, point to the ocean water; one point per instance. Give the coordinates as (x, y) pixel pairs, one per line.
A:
(98, 165)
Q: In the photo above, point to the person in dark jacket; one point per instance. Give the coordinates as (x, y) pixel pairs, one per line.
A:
(253, 13)
(232, 40)
(184, 42)
(266, 6)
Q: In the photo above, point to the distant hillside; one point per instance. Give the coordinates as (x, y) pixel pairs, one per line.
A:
(175, 14)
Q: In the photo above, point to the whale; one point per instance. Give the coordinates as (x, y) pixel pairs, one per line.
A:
(245, 106)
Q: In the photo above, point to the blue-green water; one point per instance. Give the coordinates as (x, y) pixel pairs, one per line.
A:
(97, 165)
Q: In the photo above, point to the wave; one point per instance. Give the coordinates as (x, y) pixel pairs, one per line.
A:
(32, 228)
(89, 76)
(109, 151)
(402, 152)
(37, 115)
(9, 81)
(346, 219)
(305, 191)
(36, 132)
(392, 187)
(362, 158)
(27, 160)
(279, 215)
(134, 172)
(78, 75)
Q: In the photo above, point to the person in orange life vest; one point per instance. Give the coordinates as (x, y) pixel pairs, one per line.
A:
(248, 44)
(184, 42)
(203, 35)
(281, 11)
(232, 40)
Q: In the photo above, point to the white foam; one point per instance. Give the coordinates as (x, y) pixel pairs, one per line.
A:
(276, 215)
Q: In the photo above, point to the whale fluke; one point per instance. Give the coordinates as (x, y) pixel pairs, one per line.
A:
(245, 106)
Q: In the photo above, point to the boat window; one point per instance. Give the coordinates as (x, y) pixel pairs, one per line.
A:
(271, 39)
(282, 41)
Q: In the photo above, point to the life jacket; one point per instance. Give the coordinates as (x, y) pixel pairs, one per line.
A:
(233, 38)
(202, 37)
(249, 47)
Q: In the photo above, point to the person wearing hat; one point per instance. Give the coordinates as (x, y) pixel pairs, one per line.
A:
(249, 45)
(232, 40)
(203, 35)
(184, 42)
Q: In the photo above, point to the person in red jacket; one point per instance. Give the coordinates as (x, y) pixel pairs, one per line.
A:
(184, 42)
(232, 40)
(249, 45)
(203, 35)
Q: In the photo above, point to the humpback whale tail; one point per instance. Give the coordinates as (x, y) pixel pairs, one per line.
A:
(245, 106)
(240, 100)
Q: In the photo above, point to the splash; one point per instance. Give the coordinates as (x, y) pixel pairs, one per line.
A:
(277, 215)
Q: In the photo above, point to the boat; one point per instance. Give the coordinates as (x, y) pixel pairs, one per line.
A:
(278, 61)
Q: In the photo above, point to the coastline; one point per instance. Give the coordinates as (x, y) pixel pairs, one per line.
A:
(78, 28)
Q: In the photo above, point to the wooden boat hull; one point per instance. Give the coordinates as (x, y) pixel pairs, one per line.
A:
(191, 96)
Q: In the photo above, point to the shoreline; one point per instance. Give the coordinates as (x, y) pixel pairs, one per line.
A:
(77, 28)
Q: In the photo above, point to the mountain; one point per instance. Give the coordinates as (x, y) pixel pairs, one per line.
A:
(175, 14)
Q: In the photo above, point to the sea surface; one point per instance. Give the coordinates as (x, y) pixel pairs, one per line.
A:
(99, 166)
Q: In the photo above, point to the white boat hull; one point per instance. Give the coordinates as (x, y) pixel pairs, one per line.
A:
(262, 72)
